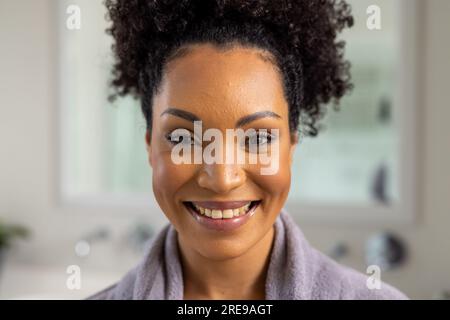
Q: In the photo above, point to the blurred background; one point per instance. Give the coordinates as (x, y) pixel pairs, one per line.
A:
(76, 204)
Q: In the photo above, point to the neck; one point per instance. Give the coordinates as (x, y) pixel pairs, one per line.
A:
(237, 278)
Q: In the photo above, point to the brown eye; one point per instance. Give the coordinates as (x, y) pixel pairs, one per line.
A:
(181, 136)
(258, 139)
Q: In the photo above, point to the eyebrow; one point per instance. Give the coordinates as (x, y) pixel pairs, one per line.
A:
(240, 123)
(255, 116)
(181, 114)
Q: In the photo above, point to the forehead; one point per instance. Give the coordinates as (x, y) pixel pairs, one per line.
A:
(208, 80)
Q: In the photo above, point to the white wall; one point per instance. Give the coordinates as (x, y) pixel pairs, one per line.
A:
(29, 162)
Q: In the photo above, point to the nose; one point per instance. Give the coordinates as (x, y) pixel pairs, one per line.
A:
(221, 178)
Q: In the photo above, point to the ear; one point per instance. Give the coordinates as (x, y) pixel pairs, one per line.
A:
(294, 142)
(148, 139)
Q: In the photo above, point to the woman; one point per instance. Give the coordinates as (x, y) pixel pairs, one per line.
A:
(268, 68)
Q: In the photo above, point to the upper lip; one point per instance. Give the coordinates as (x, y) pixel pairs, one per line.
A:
(221, 205)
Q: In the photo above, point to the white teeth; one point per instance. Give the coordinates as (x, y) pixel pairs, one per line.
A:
(227, 214)
(216, 214)
(222, 214)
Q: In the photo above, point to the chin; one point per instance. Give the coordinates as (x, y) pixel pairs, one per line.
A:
(220, 250)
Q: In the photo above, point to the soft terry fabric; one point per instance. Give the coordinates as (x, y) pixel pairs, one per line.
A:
(296, 271)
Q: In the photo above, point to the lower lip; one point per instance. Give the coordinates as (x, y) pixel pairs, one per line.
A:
(224, 225)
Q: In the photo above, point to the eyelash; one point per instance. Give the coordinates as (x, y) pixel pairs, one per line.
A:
(180, 139)
(270, 137)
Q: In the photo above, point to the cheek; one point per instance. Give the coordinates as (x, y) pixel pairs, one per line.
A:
(278, 183)
(276, 186)
(168, 177)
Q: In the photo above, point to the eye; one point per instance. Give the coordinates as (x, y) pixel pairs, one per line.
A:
(257, 140)
(182, 136)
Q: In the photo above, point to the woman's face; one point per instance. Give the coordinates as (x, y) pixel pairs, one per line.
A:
(225, 90)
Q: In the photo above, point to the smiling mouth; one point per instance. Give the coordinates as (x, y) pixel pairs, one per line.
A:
(222, 210)
(222, 216)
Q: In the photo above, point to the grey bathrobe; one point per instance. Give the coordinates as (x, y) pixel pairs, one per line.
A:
(296, 271)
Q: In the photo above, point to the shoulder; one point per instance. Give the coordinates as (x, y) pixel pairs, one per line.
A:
(348, 284)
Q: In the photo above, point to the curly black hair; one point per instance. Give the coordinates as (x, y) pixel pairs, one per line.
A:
(300, 34)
